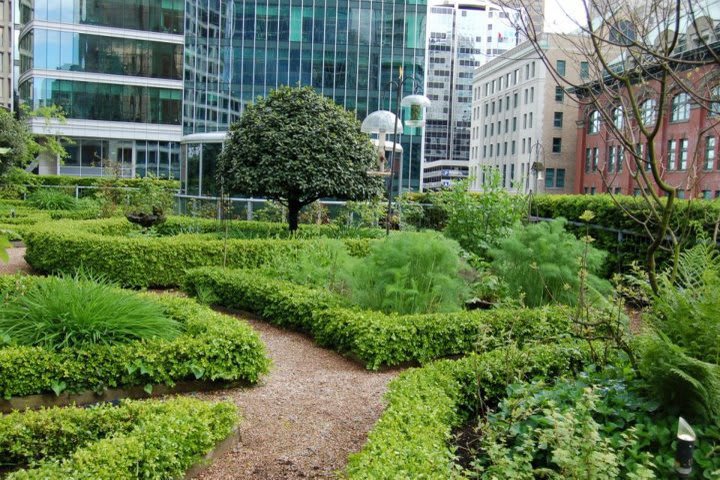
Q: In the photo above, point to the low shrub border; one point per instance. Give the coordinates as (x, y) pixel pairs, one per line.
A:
(213, 347)
(412, 437)
(103, 247)
(376, 339)
(149, 439)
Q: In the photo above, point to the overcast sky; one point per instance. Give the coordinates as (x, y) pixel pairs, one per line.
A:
(559, 15)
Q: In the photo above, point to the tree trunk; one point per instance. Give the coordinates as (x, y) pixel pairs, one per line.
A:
(294, 207)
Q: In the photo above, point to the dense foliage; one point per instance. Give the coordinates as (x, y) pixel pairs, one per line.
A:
(409, 273)
(212, 347)
(541, 262)
(412, 437)
(140, 440)
(57, 313)
(375, 338)
(15, 135)
(104, 247)
(296, 146)
(599, 425)
(51, 199)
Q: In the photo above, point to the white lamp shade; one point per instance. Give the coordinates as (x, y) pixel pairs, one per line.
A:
(411, 100)
(380, 121)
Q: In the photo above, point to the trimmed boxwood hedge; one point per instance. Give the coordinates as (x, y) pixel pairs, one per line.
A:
(71, 181)
(373, 337)
(104, 247)
(412, 438)
(212, 347)
(135, 440)
(16, 216)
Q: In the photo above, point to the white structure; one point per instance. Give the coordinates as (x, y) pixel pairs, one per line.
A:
(6, 54)
(462, 35)
(523, 123)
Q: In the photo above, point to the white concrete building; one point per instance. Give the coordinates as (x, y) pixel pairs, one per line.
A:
(521, 117)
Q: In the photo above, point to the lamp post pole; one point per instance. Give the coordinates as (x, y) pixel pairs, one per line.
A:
(398, 97)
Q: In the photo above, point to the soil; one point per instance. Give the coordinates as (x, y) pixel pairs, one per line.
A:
(305, 417)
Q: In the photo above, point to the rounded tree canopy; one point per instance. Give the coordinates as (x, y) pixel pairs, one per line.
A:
(297, 146)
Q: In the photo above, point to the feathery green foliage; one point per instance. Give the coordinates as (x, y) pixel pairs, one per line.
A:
(74, 311)
(542, 262)
(409, 273)
(51, 199)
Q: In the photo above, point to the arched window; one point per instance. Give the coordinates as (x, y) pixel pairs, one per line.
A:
(648, 110)
(680, 107)
(594, 125)
(618, 118)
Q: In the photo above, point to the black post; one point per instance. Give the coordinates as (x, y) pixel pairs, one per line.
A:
(400, 82)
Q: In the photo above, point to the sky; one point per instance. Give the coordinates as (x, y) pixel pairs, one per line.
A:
(559, 15)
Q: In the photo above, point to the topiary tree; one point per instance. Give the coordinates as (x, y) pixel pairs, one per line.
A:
(296, 146)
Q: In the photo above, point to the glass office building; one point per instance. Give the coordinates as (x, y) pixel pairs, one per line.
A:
(115, 67)
(348, 50)
(463, 35)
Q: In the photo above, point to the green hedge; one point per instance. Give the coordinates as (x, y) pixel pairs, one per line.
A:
(135, 440)
(104, 247)
(412, 438)
(71, 181)
(212, 347)
(373, 337)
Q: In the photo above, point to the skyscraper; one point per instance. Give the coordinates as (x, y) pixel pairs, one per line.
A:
(462, 35)
(6, 54)
(345, 49)
(115, 67)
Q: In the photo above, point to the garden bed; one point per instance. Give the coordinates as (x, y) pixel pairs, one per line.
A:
(374, 338)
(119, 251)
(210, 348)
(148, 439)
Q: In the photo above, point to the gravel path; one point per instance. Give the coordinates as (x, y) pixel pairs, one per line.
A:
(305, 418)
(311, 412)
(17, 262)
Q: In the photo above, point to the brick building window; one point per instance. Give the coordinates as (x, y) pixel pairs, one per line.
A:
(680, 107)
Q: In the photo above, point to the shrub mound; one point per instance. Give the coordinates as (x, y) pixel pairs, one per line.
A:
(212, 347)
(148, 439)
(373, 337)
(412, 438)
(115, 249)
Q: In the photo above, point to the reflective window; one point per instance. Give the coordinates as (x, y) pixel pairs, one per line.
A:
(100, 101)
(648, 111)
(594, 125)
(78, 52)
(680, 107)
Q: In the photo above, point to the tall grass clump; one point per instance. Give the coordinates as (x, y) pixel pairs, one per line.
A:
(409, 273)
(542, 262)
(52, 199)
(58, 313)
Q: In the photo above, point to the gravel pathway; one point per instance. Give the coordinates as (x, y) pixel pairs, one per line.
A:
(311, 412)
(305, 418)
(16, 263)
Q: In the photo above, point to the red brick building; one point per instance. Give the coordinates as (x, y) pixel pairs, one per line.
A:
(686, 145)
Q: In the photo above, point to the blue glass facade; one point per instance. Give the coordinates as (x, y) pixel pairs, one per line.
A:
(347, 50)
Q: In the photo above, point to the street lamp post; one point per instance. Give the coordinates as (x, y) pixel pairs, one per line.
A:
(536, 166)
(416, 102)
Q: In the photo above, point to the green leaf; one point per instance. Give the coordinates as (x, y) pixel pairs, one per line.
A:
(58, 387)
(148, 388)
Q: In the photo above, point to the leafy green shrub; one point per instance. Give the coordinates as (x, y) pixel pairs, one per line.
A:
(212, 347)
(57, 313)
(542, 262)
(412, 437)
(144, 440)
(52, 199)
(151, 197)
(373, 337)
(409, 273)
(600, 425)
(102, 247)
(478, 222)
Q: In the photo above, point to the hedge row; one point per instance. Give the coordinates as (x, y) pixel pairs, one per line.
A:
(135, 440)
(212, 347)
(71, 181)
(412, 438)
(104, 247)
(373, 337)
(16, 215)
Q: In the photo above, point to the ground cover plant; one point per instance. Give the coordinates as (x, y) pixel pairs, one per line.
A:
(210, 347)
(137, 439)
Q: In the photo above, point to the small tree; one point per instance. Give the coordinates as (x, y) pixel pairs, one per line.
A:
(296, 146)
(15, 135)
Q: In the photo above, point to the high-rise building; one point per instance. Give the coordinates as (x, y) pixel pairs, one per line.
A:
(347, 50)
(522, 120)
(462, 35)
(6, 54)
(115, 68)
